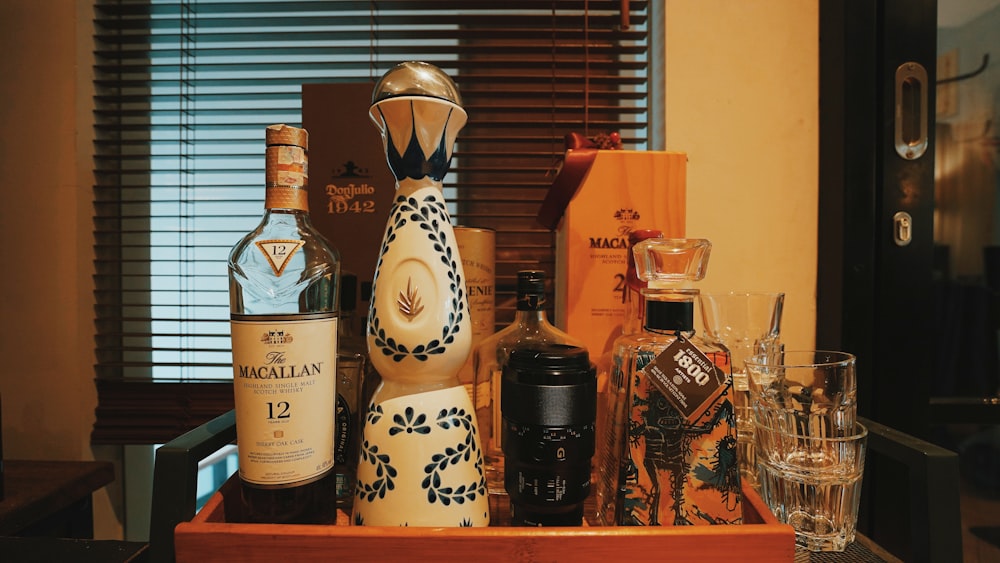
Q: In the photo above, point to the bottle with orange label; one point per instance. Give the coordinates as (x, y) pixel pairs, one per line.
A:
(674, 452)
(284, 283)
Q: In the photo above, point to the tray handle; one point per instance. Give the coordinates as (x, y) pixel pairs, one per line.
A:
(935, 520)
(175, 480)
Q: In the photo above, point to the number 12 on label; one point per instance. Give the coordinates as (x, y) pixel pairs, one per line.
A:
(281, 409)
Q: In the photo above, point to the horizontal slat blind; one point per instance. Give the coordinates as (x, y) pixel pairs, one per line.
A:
(185, 89)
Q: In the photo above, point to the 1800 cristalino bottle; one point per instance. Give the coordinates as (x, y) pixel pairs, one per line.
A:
(283, 293)
(672, 424)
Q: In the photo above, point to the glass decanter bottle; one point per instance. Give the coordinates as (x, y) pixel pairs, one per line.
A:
(530, 325)
(609, 431)
(676, 447)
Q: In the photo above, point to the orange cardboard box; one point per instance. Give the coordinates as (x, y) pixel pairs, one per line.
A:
(620, 192)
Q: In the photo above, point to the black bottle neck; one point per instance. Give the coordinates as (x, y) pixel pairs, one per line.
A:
(530, 302)
(530, 290)
(669, 316)
(669, 310)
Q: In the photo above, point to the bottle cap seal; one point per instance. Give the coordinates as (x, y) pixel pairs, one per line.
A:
(282, 134)
(530, 290)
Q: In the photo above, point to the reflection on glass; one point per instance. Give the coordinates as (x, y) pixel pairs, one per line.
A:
(967, 254)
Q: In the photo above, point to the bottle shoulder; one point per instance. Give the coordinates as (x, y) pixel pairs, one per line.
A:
(637, 350)
(283, 266)
(536, 333)
(293, 227)
(528, 327)
(490, 342)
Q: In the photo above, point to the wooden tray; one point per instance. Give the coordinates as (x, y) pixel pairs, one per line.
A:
(208, 537)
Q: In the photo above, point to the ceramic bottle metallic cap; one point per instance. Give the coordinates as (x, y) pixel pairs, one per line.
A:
(416, 78)
(418, 111)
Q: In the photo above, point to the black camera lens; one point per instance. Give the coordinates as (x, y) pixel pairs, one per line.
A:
(549, 404)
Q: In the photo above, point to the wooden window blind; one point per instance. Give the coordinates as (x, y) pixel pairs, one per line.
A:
(184, 90)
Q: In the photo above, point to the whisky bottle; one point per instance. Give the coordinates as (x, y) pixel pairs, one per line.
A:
(530, 326)
(283, 295)
(676, 452)
(352, 366)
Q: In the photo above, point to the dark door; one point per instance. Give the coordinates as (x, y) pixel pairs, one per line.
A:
(876, 213)
(908, 244)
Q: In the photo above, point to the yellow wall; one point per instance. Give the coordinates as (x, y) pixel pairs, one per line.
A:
(741, 100)
(742, 95)
(45, 227)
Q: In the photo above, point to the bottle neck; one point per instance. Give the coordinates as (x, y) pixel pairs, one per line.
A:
(530, 302)
(530, 306)
(286, 199)
(635, 311)
(669, 311)
(286, 176)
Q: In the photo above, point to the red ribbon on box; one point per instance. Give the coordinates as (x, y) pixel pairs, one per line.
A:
(580, 155)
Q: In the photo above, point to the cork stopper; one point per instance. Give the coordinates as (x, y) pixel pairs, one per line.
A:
(286, 167)
(282, 134)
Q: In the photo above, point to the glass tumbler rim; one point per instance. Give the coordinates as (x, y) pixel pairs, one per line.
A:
(843, 359)
(739, 292)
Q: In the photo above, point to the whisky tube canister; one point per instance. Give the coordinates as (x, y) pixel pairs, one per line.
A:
(477, 247)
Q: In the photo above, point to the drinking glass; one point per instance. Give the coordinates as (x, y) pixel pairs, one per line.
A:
(746, 323)
(813, 392)
(813, 483)
(810, 448)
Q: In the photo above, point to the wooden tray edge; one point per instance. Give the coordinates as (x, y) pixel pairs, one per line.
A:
(209, 537)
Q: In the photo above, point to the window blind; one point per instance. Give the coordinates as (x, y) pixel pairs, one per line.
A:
(184, 89)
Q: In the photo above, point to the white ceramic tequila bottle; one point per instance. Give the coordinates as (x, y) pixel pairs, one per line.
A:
(421, 461)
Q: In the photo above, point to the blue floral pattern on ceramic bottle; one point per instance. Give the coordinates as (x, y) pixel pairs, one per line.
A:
(421, 463)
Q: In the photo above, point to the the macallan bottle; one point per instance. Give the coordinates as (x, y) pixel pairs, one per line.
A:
(283, 295)
(530, 326)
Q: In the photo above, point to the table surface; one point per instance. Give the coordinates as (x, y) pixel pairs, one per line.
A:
(48, 550)
(34, 490)
(862, 550)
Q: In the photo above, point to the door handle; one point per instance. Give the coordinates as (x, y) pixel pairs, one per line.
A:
(911, 110)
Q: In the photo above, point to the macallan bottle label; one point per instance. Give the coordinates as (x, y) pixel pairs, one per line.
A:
(284, 376)
(279, 252)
